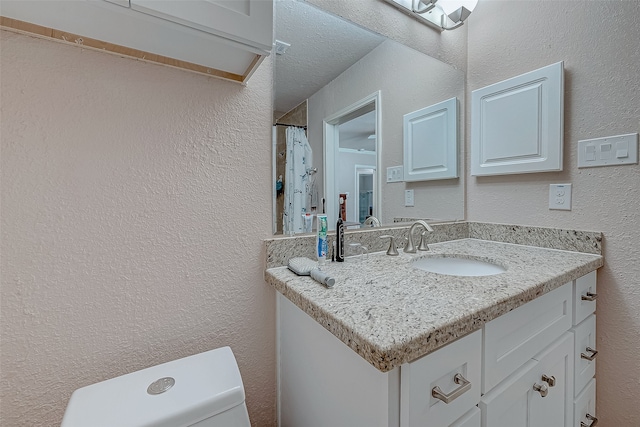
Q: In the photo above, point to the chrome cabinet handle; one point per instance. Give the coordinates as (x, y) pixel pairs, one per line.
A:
(594, 421)
(541, 388)
(589, 297)
(549, 380)
(593, 352)
(448, 398)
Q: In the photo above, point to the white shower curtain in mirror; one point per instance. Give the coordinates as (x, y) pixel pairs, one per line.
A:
(297, 180)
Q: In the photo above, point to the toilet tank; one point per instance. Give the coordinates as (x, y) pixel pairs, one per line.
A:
(195, 390)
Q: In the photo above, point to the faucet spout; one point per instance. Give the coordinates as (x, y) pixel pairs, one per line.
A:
(410, 248)
(372, 221)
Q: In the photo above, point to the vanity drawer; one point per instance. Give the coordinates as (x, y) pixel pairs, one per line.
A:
(585, 352)
(511, 339)
(584, 297)
(584, 407)
(446, 370)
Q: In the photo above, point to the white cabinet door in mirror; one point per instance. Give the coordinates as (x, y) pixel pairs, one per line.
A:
(517, 124)
(431, 142)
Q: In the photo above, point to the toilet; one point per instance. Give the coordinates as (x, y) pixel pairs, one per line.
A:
(203, 390)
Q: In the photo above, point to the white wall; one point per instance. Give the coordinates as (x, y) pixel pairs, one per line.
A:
(133, 208)
(599, 42)
(408, 81)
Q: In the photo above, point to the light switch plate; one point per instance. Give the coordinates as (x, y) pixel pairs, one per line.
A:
(395, 174)
(608, 151)
(408, 198)
(560, 197)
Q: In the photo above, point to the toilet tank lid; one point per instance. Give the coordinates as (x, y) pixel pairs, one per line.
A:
(206, 384)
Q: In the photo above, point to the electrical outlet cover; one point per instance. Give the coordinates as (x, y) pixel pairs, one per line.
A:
(560, 197)
(408, 198)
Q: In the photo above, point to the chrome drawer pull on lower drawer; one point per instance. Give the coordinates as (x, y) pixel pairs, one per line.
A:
(594, 421)
(448, 398)
(593, 354)
(589, 297)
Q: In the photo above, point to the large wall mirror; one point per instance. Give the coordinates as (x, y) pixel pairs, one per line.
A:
(340, 94)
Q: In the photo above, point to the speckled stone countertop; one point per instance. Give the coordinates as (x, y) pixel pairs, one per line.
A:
(391, 313)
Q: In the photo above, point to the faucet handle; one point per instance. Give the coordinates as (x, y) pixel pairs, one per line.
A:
(423, 242)
(393, 250)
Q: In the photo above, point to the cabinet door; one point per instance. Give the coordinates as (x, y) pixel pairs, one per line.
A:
(246, 21)
(515, 402)
(508, 404)
(431, 142)
(555, 375)
(517, 124)
(470, 419)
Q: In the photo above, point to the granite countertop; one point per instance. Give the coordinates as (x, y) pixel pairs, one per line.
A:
(391, 313)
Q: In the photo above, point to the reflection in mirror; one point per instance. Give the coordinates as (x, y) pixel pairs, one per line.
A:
(351, 142)
(355, 168)
(357, 154)
(330, 65)
(365, 177)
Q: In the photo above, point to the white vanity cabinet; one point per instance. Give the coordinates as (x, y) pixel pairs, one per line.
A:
(520, 369)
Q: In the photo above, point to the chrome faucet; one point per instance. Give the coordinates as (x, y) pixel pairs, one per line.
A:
(410, 248)
(372, 221)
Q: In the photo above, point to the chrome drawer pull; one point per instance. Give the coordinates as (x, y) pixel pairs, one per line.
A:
(549, 380)
(448, 398)
(593, 352)
(594, 421)
(589, 297)
(542, 389)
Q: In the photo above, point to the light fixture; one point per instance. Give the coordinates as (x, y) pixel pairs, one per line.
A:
(440, 14)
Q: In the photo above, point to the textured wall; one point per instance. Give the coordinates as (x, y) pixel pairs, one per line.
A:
(134, 201)
(599, 43)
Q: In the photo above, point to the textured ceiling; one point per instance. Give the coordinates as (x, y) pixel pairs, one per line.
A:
(322, 47)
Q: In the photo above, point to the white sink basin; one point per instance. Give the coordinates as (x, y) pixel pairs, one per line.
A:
(457, 266)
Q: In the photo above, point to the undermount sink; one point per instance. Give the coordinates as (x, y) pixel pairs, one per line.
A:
(452, 265)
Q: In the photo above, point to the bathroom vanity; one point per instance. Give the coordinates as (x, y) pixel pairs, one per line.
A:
(393, 345)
